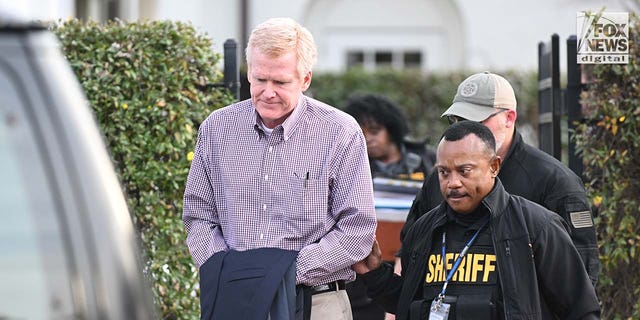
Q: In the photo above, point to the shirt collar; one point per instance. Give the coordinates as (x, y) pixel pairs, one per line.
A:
(290, 123)
(294, 118)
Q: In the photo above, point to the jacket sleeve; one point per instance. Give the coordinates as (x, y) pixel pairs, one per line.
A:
(384, 286)
(200, 214)
(563, 281)
(574, 208)
(351, 207)
(412, 216)
(427, 198)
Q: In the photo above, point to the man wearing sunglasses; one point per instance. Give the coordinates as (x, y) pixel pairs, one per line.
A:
(525, 171)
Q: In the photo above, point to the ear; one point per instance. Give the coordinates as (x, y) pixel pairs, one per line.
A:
(512, 116)
(494, 166)
(306, 81)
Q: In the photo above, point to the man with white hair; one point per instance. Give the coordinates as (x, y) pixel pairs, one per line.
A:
(282, 170)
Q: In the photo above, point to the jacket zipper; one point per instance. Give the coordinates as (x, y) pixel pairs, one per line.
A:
(507, 314)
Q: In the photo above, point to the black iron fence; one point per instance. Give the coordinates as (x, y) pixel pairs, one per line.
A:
(554, 103)
(231, 71)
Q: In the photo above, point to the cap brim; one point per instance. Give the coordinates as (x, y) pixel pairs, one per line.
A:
(469, 111)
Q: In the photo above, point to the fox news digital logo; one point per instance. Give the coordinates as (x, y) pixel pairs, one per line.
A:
(603, 38)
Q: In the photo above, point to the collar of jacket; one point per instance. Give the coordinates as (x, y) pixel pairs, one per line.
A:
(516, 143)
(496, 201)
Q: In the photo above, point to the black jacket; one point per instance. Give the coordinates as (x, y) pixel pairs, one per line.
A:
(533, 174)
(537, 263)
(416, 157)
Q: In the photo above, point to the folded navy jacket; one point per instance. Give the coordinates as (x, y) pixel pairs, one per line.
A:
(250, 284)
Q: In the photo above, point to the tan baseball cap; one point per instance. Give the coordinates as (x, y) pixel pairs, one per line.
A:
(479, 94)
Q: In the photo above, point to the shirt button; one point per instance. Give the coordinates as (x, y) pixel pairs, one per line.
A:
(270, 149)
(266, 177)
(264, 207)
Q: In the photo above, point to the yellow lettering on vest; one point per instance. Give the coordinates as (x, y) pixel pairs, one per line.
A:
(467, 261)
(449, 257)
(441, 272)
(489, 266)
(431, 264)
(450, 260)
(435, 269)
(477, 266)
(459, 275)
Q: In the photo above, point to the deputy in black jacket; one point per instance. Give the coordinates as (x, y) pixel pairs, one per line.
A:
(525, 268)
(526, 171)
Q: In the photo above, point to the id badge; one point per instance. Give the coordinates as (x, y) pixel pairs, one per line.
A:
(439, 310)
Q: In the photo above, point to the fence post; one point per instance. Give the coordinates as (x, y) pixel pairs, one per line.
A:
(231, 71)
(549, 103)
(572, 103)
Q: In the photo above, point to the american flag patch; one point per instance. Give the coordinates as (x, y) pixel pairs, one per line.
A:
(581, 219)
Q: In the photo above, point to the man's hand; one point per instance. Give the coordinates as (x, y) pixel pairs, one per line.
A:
(371, 262)
(397, 266)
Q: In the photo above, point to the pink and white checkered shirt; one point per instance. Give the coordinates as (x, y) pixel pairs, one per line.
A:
(305, 187)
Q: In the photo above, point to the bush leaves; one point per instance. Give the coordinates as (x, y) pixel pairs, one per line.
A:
(142, 80)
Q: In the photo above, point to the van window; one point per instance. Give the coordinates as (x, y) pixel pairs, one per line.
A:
(34, 266)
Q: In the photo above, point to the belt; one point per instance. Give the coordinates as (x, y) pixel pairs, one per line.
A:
(331, 286)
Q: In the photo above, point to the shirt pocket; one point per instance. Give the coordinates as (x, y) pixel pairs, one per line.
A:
(308, 210)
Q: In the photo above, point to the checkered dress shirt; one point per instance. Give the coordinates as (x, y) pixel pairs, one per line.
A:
(305, 187)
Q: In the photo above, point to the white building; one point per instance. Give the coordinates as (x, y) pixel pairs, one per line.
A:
(432, 35)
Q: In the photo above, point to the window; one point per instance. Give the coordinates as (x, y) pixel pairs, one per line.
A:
(355, 59)
(374, 59)
(383, 59)
(412, 59)
(34, 279)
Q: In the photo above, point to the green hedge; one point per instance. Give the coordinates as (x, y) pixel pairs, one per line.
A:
(610, 144)
(145, 84)
(423, 97)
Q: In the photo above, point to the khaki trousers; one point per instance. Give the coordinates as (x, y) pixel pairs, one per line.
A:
(333, 305)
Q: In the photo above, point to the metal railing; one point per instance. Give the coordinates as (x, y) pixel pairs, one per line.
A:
(551, 105)
(231, 79)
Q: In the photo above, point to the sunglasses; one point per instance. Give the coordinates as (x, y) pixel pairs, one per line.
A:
(453, 119)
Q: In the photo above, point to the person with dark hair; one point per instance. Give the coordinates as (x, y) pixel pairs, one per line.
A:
(391, 155)
(385, 129)
(482, 253)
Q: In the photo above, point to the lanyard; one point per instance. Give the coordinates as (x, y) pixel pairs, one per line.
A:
(457, 263)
